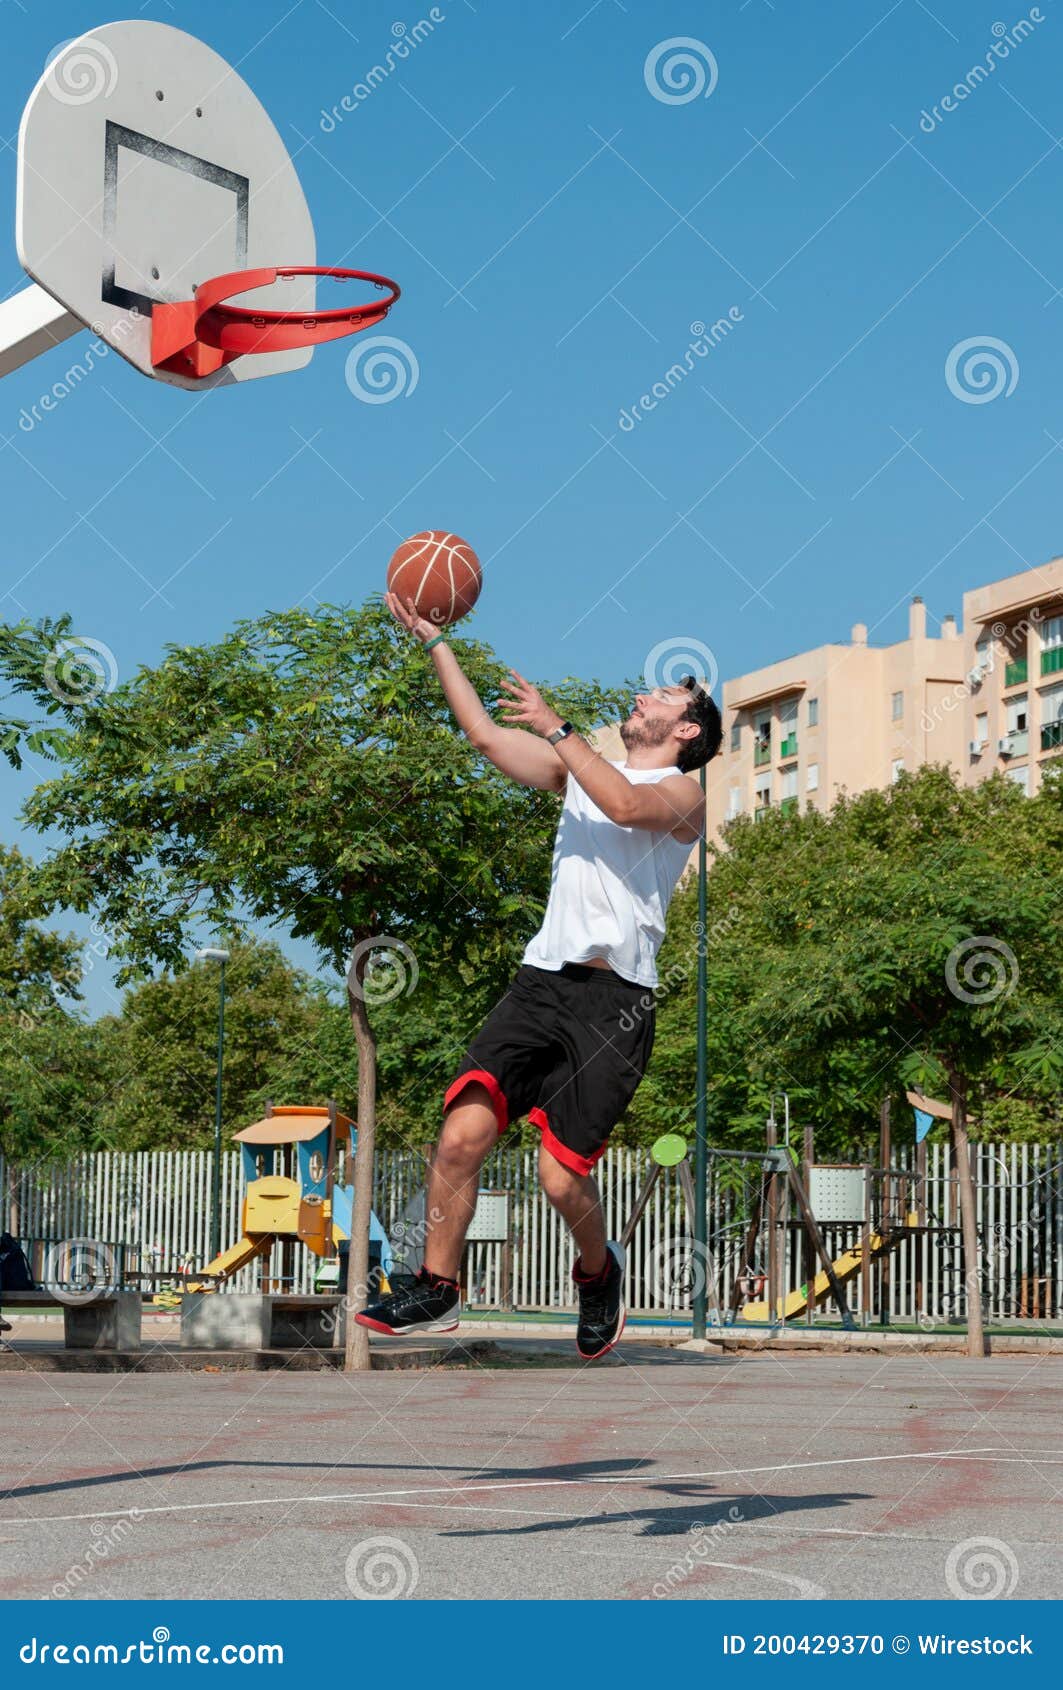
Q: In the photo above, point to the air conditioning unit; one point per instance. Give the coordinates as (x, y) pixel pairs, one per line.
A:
(1004, 746)
(976, 675)
(976, 747)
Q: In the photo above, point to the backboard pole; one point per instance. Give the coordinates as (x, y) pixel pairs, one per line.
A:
(701, 1136)
(32, 322)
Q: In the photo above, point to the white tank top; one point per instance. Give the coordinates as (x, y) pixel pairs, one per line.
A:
(610, 888)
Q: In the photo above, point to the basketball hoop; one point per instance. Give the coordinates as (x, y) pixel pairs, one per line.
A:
(197, 336)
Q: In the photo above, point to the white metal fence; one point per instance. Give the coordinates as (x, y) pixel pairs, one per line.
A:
(157, 1203)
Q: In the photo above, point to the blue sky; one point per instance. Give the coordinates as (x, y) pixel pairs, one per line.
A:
(557, 227)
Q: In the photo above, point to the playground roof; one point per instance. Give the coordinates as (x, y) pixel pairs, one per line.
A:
(290, 1126)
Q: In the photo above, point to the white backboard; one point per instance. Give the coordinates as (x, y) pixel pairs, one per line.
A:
(145, 166)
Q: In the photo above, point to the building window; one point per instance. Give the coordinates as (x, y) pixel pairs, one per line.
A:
(981, 728)
(1016, 741)
(1020, 777)
(788, 729)
(1018, 719)
(761, 799)
(1052, 645)
(734, 803)
(788, 790)
(1052, 719)
(812, 778)
(897, 707)
(813, 712)
(762, 742)
(896, 769)
(736, 735)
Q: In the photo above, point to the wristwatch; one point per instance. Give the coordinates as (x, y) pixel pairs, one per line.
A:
(560, 733)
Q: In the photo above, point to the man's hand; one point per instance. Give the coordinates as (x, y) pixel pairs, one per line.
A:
(405, 611)
(527, 707)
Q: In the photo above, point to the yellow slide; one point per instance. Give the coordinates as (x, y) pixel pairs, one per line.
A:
(232, 1260)
(845, 1267)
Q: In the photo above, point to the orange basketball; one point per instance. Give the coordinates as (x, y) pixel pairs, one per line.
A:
(439, 572)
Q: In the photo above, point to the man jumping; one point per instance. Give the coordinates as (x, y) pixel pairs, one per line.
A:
(570, 1040)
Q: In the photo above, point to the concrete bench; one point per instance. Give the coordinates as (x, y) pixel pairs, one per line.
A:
(103, 1320)
(259, 1320)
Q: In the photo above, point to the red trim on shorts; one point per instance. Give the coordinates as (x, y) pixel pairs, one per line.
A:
(498, 1096)
(561, 1152)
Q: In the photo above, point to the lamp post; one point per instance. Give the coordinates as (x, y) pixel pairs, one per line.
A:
(211, 953)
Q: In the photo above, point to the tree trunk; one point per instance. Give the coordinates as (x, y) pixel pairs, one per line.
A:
(14, 1212)
(356, 1356)
(972, 1267)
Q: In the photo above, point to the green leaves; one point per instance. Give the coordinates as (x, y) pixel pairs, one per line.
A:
(905, 934)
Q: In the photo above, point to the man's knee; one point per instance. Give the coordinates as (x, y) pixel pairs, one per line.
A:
(561, 1184)
(469, 1127)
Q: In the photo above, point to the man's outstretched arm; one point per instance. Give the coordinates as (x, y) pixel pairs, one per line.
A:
(525, 757)
(673, 805)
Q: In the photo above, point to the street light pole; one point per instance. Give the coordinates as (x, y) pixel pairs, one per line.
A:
(701, 1158)
(213, 954)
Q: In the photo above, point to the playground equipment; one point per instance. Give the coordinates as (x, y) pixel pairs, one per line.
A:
(152, 188)
(776, 1202)
(293, 1161)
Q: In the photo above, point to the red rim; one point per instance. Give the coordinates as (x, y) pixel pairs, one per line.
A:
(237, 330)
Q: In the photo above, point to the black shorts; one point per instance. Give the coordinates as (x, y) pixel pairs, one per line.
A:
(567, 1048)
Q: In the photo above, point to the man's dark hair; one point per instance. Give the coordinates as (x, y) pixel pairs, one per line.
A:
(702, 710)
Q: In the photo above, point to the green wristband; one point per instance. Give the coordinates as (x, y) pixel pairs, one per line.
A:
(430, 643)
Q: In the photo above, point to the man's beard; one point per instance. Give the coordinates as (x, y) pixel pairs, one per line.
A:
(644, 733)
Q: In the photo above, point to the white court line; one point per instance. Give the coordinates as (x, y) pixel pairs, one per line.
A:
(611, 1479)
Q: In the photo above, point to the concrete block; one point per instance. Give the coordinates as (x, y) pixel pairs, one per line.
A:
(110, 1322)
(254, 1320)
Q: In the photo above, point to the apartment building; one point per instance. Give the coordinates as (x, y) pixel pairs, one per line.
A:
(845, 716)
(1013, 639)
(851, 716)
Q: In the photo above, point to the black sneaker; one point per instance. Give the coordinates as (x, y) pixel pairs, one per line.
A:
(601, 1307)
(415, 1305)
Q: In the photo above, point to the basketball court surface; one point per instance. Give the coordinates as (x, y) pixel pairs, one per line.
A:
(652, 1475)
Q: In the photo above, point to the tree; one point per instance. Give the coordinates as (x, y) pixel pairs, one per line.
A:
(305, 772)
(161, 1058)
(909, 938)
(48, 663)
(46, 1106)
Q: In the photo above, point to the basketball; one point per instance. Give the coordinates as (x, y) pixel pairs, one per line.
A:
(439, 572)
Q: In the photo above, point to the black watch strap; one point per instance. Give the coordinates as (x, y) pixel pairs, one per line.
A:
(560, 733)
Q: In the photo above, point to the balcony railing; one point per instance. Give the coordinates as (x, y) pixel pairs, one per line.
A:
(1017, 672)
(761, 752)
(760, 811)
(787, 806)
(1015, 743)
(788, 748)
(1051, 735)
(1052, 660)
